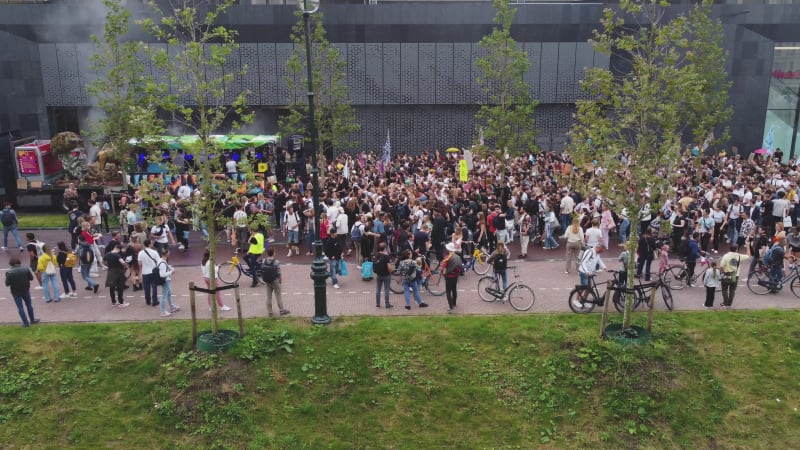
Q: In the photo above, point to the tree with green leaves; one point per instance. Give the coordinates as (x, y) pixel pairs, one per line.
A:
(121, 90)
(506, 115)
(335, 117)
(197, 100)
(646, 107)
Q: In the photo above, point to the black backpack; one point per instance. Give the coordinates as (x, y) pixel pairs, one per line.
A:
(500, 262)
(158, 280)
(380, 265)
(269, 272)
(6, 218)
(87, 255)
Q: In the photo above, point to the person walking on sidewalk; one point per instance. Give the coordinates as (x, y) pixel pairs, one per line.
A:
(66, 262)
(115, 278)
(711, 279)
(205, 266)
(334, 253)
(383, 274)
(574, 236)
(272, 277)
(86, 258)
(10, 224)
(166, 271)
(47, 267)
(18, 279)
(148, 259)
(409, 268)
(452, 270)
(730, 265)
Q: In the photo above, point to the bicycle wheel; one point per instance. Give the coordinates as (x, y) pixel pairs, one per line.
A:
(396, 285)
(795, 286)
(434, 265)
(618, 298)
(228, 273)
(434, 284)
(582, 306)
(759, 281)
(666, 295)
(487, 282)
(678, 276)
(521, 297)
(481, 267)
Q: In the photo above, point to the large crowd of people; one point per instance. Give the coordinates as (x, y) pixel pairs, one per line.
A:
(416, 205)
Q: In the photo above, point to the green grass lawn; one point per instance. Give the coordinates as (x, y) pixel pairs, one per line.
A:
(709, 380)
(39, 220)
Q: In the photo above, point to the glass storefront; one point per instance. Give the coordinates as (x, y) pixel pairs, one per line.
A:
(784, 101)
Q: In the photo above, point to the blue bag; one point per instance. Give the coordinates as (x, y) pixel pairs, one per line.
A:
(343, 268)
(366, 270)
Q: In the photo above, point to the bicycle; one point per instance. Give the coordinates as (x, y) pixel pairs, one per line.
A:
(230, 271)
(433, 284)
(641, 293)
(678, 274)
(518, 294)
(478, 262)
(760, 281)
(583, 298)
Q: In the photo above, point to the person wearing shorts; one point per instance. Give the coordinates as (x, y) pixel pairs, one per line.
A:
(291, 225)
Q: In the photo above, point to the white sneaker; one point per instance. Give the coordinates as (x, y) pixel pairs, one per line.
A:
(272, 239)
(38, 288)
(73, 294)
(336, 286)
(224, 308)
(290, 254)
(165, 314)
(3, 248)
(123, 305)
(63, 296)
(94, 275)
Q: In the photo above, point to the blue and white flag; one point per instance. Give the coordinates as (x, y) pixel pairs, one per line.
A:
(769, 141)
(386, 158)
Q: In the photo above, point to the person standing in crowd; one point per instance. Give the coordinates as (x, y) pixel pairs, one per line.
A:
(644, 252)
(383, 275)
(272, 277)
(254, 252)
(409, 268)
(730, 266)
(452, 270)
(719, 219)
(550, 223)
(86, 258)
(74, 227)
(240, 226)
(691, 257)
(95, 216)
(334, 253)
(624, 227)
(160, 234)
(18, 279)
(115, 277)
(66, 262)
(34, 248)
(574, 237)
(205, 266)
(593, 235)
(526, 230)
(711, 280)
(499, 261)
(148, 259)
(291, 227)
(567, 206)
(10, 221)
(47, 265)
(706, 228)
(607, 225)
(166, 271)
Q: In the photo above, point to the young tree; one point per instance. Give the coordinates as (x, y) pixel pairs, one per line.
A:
(335, 118)
(196, 73)
(643, 110)
(507, 116)
(121, 88)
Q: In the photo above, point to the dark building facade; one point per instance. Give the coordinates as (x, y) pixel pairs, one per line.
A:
(410, 65)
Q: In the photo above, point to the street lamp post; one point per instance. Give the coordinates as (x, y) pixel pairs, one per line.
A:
(319, 272)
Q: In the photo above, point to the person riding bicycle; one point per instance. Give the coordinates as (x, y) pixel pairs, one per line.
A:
(591, 263)
(499, 260)
(773, 258)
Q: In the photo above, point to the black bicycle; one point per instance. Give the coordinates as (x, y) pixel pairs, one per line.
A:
(641, 292)
(583, 298)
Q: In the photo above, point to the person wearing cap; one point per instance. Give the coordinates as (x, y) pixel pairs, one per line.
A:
(452, 270)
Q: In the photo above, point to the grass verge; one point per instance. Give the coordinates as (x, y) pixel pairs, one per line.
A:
(727, 380)
(38, 220)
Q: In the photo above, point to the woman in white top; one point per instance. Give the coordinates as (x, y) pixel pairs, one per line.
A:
(206, 267)
(574, 237)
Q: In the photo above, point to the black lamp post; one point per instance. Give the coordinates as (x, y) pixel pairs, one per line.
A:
(319, 271)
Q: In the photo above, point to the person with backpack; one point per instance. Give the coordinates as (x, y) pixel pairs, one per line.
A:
(691, 255)
(730, 265)
(10, 223)
(452, 271)
(86, 258)
(773, 258)
(66, 262)
(499, 261)
(409, 269)
(356, 233)
(34, 248)
(160, 234)
(18, 279)
(148, 260)
(254, 252)
(166, 271)
(271, 272)
(115, 278)
(334, 253)
(47, 267)
(383, 275)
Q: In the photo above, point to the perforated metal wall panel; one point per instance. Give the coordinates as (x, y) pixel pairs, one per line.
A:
(391, 73)
(427, 73)
(50, 76)
(248, 54)
(461, 72)
(159, 74)
(477, 94)
(374, 74)
(584, 59)
(565, 90)
(549, 73)
(444, 73)
(233, 66)
(409, 74)
(72, 93)
(283, 52)
(86, 74)
(531, 77)
(356, 77)
(268, 74)
(179, 79)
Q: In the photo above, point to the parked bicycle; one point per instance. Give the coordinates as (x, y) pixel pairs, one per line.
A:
(230, 271)
(478, 262)
(761, 282)
(678, 274)
(583, 298)
(518, 294)
(641, 292)
(433, 283)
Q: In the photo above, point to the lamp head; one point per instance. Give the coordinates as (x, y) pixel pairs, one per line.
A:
(308, 6)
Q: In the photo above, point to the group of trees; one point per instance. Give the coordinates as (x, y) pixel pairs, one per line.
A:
(671, 88)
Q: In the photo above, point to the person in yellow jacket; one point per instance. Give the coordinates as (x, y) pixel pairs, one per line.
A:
(255, 252)
(47, 266)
